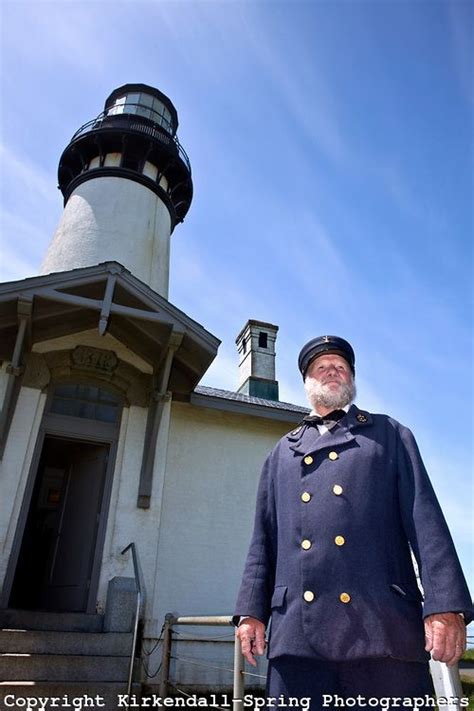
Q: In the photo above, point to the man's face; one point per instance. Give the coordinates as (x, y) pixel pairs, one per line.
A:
(329, 382)
(331, 370)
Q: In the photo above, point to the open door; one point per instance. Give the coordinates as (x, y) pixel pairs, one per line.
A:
(56, 557)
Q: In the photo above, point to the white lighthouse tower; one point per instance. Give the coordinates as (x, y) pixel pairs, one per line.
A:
(126, 182)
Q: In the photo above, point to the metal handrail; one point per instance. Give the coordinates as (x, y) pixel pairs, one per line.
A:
(140, 595)
(104, 122)
(212, 621)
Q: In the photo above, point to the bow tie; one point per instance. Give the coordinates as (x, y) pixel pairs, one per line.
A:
(328, 420)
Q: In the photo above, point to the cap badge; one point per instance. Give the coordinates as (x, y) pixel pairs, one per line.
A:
(361, 418)
(326, 339)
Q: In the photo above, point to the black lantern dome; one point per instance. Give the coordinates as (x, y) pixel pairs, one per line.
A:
(135, 138)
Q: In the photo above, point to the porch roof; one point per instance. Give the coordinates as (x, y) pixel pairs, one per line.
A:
(109, 297)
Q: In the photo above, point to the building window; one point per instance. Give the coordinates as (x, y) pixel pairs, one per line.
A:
(143, 105)
(244, 345)
(86, 401)
(263, 339)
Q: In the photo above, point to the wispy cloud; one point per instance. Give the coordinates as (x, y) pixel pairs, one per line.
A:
(307, 95)
(223, 373)
(30, 176)
(408, 198)
(24, 231)
(70, 33)
(461, 23)
(304, 98)
(21, 247)
(13, 266)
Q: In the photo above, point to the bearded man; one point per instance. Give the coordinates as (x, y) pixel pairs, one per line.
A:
(344, 501)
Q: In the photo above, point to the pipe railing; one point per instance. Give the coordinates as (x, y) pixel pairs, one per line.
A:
(210, 621)
(140, 588)
(446, 679)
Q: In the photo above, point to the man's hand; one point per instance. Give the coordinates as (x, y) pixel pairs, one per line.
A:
(251, 633)
(445, 634)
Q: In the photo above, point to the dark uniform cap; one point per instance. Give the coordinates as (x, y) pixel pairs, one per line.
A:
(323, 345)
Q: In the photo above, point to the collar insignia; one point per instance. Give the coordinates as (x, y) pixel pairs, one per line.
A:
(361, 418)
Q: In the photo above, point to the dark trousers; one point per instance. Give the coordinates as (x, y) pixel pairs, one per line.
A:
(373, 683)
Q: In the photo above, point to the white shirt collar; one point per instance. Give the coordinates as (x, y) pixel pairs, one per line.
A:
(345, 408)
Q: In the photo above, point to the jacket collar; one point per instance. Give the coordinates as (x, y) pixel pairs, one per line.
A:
(306, 439)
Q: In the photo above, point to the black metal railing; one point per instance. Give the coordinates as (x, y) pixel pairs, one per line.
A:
(134, 122)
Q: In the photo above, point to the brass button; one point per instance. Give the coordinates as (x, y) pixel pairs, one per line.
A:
(345, 597)
(308, 459)
(306, 545)
(339, 540)
(333, 456)
(305, 496)
(337, 489)
(308, 595)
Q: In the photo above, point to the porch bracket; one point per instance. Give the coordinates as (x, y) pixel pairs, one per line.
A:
(160, 397)
(106, 305)
(15, 369)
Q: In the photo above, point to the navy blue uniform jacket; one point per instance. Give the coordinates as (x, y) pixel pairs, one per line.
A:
(330, 558)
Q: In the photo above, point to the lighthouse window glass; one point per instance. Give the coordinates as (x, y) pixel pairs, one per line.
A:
(125, 104)
(117, 108)
(131, 105)
(143, 105)
(161, 115)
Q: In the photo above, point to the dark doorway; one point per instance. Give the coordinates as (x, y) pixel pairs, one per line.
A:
(57, 552)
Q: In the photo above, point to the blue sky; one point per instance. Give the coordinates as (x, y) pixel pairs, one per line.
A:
(332, 154)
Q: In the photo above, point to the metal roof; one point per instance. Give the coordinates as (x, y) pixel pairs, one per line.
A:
(246, 404)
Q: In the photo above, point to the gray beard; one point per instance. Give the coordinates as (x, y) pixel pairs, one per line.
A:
(321, 395)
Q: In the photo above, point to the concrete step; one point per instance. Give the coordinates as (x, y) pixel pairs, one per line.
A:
(68, 667)
(53, 621)
(80, 643)
(108, 694)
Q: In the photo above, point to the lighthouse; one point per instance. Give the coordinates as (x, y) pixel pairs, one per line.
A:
(126, 182)
(118, 468)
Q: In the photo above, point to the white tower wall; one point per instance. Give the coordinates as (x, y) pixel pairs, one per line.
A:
(114, 218)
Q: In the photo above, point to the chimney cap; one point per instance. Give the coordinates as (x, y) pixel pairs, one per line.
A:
(258, 324)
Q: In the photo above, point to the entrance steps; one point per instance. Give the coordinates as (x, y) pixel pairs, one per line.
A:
(63, 656)
(53, 621)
